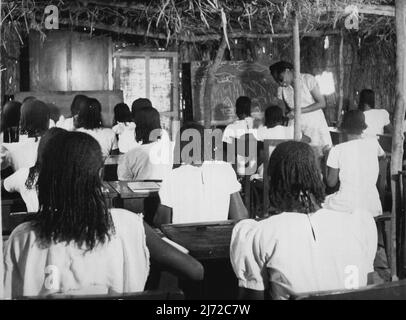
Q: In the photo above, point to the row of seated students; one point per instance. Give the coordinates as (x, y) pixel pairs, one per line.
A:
(73, 223)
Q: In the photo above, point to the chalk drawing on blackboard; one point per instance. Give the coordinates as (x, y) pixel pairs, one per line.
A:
(224, 111)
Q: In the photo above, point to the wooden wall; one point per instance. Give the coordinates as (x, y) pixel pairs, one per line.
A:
(68, 61)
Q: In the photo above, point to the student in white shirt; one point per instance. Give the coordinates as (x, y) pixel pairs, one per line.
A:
(304, 248)
(355, 164)
(152, 160)
(273, 129)
(75, 244)
(244, 124)
(89, 121)
(198, 189)
(376, 119)
(69, 123)
(124, 127)
(24, 180)
(313, 121)
(34, 122)
(10, 121)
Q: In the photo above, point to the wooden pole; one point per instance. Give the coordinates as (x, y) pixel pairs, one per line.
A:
(211, 72)
(296, 81)
(341, 79)
(399, 116)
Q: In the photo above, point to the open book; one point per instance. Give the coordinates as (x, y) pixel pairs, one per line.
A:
(141, 186)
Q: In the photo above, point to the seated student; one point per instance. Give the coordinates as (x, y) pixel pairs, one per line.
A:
(10, 121)
(51, 121)
(304, 248)
(89, 121)
(244, 124)
(75, 244)
(138, 104)
(141, 103)
(34, 122)
(24, 180)
(376, 119)
(275, 130)
(124, 127)
(355, 164)
(199, 190)
(69, 123)
(152, 160)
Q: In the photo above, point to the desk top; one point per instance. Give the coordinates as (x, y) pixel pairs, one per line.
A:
(210, 240)
(113, 160)
(121, 187)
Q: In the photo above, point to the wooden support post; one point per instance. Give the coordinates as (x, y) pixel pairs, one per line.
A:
(341, 79)
(399, 116)
(211, 72)
(296, 66)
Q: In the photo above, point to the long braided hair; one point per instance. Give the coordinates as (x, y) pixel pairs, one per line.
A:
(295, 178)
(71, 203)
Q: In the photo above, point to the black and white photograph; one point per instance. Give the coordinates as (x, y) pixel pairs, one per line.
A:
(203, 154)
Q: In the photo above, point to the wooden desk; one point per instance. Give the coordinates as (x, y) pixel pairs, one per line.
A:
(204, 241)
(110, 167)
(143, 201)
(110, 194)
(210, 244)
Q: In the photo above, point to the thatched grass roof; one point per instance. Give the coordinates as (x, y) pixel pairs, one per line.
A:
(201, 20)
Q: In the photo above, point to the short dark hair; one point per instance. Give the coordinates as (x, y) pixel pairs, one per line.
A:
(139, 104)
(34, 118)
(78, 101)
(295, 178)
(71, 204)
(147, 120)
(279, 67)
(366, 97)
(122, 113)
(10, 117)
(353, 122)
(89, 116)
(243, 107)
(273, 116)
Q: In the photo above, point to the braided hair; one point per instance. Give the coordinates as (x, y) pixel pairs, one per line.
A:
(295, 178)
(71, 203)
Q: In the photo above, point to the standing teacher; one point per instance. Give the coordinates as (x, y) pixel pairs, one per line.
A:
(314, 124)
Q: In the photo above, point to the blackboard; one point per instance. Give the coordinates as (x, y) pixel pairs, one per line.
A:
(232, 79)
(61, 101)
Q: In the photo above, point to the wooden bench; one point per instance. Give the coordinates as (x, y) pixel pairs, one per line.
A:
(387, 291)
(210, 244)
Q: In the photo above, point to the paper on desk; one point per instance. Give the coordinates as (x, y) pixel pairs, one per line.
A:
(143, 186)
(176, 245)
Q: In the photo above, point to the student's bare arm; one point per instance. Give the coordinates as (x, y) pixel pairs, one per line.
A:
(332, 177)
(249, 294)
(320, 101)
(237, 209)
(163, 215)
(171, 258)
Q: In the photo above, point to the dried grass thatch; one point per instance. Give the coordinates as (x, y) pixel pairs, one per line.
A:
(201, 20)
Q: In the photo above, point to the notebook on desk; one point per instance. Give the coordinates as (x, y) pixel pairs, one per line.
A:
(143, 186)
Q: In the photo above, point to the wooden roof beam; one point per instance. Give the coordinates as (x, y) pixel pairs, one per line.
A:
(210, 37)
